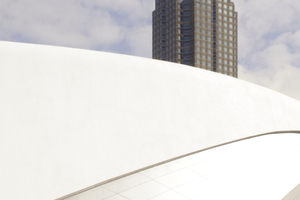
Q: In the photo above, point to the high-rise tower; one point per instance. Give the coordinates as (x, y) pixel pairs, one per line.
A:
(200, 33)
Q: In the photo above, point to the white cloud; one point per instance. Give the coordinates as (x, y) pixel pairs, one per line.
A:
(59, 23)
(133, 10)
(90, 24)
(260, 20)
(276, 66)
(269, 44)
(284, 79)
(139, 38)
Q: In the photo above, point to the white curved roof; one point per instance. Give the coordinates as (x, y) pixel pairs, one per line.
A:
(73, 118)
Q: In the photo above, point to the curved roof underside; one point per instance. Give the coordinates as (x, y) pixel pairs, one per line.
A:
(260, 168)
(72, 118)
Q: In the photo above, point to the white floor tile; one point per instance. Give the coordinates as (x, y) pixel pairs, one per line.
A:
(145, 191)
(177, 178)
(214, 194)
(126, 183)
(194, 188)
(206, 167)
(170, 195)
(115, 197)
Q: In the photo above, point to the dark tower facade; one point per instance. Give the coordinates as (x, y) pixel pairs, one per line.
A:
(200, 33)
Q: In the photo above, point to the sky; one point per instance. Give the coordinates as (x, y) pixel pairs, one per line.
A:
(268, 32)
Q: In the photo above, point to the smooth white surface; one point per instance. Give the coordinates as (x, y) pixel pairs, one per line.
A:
(72, 118)
(265, 167)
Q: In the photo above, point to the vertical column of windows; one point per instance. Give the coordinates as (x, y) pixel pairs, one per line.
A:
(171, 27)
(183, 28)
(203, 34)
(222, 33)
(185, 40)
(234, 24)
(214, 36)
(226, 38)
(209, 32)
(163, 32)
(177, 32)
(154, 34)
(197, 31)
(157, 29)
